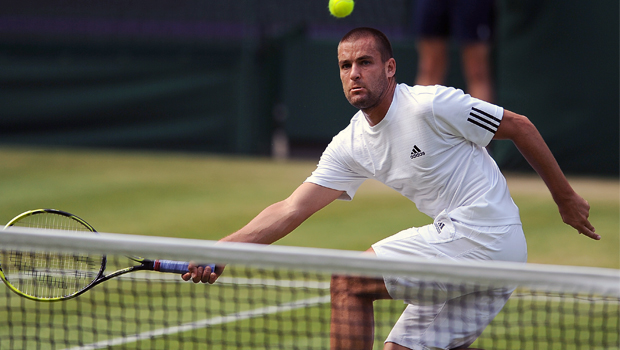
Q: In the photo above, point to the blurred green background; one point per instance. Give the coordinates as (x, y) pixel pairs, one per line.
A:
(221, 76)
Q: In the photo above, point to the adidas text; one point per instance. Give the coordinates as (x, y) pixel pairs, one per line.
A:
(416, 152)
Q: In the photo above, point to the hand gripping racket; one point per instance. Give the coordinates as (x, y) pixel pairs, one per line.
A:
(49, 276)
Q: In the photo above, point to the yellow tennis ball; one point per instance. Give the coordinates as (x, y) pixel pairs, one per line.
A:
(341, 8)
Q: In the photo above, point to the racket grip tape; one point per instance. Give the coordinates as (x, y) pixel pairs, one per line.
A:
(172, 266)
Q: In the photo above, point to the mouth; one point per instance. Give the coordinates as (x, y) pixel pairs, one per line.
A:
(356, 89)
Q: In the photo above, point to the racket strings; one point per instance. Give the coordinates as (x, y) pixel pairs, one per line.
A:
(49, 275)
(45, 274)
(52, 221)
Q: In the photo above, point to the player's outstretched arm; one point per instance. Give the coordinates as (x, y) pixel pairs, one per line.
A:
(279, 219)
(573, 208)
(273, 223)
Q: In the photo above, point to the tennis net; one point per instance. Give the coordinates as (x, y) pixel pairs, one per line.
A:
(276, 297)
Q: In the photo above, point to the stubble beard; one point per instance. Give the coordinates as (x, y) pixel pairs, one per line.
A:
(371, 99)
(363, 102)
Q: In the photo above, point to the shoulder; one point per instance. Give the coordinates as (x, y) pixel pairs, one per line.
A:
(432, 95)
(449, 101)
(459, 114)
(449, 95)
(411, 104)
(419, 93)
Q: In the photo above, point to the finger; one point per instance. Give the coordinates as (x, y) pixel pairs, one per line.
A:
(588, 230)
(591, 234)
(212, 278)
(206, 273)
(191, 269)
(197, 274)
(215, 274)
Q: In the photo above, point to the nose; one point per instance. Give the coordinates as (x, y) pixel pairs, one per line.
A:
(355, 72)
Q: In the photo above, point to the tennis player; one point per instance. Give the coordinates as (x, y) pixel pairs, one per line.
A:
(428, 143)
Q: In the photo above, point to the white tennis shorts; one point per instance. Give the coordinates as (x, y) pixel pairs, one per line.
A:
(449, 316)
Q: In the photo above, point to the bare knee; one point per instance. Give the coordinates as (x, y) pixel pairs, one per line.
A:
(344, 285)
(357, 287)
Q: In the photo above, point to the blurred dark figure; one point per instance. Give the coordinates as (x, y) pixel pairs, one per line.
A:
(471, 24)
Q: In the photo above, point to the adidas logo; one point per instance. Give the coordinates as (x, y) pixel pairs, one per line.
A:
(483, 119)
(416, 152)
(439, 226)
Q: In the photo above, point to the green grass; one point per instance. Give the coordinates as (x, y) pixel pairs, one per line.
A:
(115, 311)
(552, 242)
(207, 197)
(535, 321)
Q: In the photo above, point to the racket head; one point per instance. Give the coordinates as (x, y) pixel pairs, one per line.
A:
(50, 276)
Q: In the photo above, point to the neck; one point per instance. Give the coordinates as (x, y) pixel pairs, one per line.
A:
(374, 115)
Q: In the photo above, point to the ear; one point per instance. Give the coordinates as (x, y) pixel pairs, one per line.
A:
(390, 67)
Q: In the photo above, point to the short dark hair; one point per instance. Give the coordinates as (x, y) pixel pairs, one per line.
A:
(383, 43)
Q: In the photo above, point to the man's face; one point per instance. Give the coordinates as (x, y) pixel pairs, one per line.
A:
(364, 77)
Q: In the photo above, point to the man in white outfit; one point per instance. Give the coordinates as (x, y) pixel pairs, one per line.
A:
(428, 143)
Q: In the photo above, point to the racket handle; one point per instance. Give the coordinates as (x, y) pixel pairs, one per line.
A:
(172, 266)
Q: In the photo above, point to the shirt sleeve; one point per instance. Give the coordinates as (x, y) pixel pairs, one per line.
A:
(333, 172)
(459, 114)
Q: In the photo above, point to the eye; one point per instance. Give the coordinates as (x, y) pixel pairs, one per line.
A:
(345, 66)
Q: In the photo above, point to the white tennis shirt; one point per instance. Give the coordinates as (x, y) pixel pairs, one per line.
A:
(430, 147)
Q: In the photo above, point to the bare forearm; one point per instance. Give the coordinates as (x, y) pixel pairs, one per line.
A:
(273, 223)
(279, 219)
(573, 208)
(534, 149)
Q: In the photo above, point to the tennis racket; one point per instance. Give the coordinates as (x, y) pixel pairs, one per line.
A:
(49, 276)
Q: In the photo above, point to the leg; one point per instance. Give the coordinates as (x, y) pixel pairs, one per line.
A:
(447, 317)
(432, 61)
(473, 22)
(477, 70)
(352, 319)
(431, 26)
